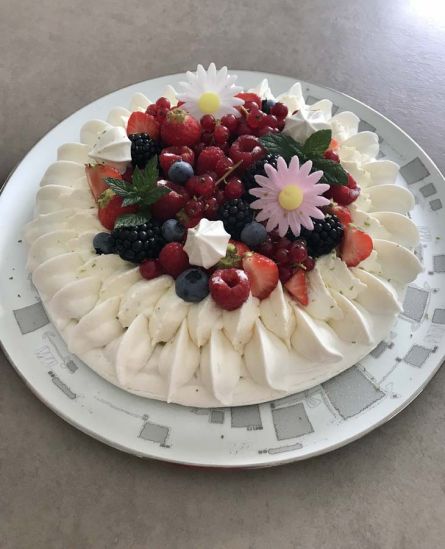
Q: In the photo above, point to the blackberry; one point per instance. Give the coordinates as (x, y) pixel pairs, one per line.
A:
(327, 234)
(143, 147)
(257, 168)
(235, 214)
(138, 243)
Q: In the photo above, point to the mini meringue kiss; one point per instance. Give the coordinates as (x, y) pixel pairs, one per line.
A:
(207, 243)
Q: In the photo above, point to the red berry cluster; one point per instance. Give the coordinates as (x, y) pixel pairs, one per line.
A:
(288, 255)
(218, 153)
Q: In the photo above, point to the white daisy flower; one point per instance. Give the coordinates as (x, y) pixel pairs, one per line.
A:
(210, 92)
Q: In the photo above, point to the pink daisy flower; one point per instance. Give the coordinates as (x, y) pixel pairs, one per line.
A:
(289, 196)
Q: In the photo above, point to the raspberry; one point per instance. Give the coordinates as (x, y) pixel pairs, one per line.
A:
(208, 123)
(201, 185)
(221, 135)
(208, 159)
(173, 259)
(230, 121)
(229, 288)
(279, 110)
(247, 149)
(233, 189)
(150, 268)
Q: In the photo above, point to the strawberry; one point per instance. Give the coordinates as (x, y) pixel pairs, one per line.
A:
(356, 246)
(141, 122)
(96, 177)
(250, 97)
(342, 212)
(262, 273)
(170, 155)
(169, 205)
(344, 194)
(180, 128)
(110, 208)
(297, 287)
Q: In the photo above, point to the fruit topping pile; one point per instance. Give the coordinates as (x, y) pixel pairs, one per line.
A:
(274, 205)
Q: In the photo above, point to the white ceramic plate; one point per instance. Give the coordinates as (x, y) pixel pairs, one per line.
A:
(296, 427)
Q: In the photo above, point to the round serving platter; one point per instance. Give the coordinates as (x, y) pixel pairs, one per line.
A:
(292, 428)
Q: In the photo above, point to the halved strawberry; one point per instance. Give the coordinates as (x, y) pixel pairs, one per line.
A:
(110, 208)
(342, 212)
(250, 96)
(141, 122)
(356, 246)
(297, 287)
(262, 273)
(96, 177)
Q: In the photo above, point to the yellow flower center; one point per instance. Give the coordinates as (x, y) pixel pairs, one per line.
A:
(291, 197)
(209, 102)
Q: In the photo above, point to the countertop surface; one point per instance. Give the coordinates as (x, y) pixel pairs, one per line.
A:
(61, 489)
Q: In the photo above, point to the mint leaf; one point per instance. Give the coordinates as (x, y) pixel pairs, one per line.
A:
(333, 173)
(131, 220)
(282, 145)
(152, 195)
(131, 200)
(118, 186)
(317, 143)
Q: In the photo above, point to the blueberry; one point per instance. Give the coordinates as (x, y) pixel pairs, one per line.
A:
(192, 285)
(103, 243)
(180, 172)
(172, 230)
(253, 234)
(266, 105)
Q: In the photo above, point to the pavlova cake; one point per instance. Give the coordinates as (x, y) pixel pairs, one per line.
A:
(220, 246)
